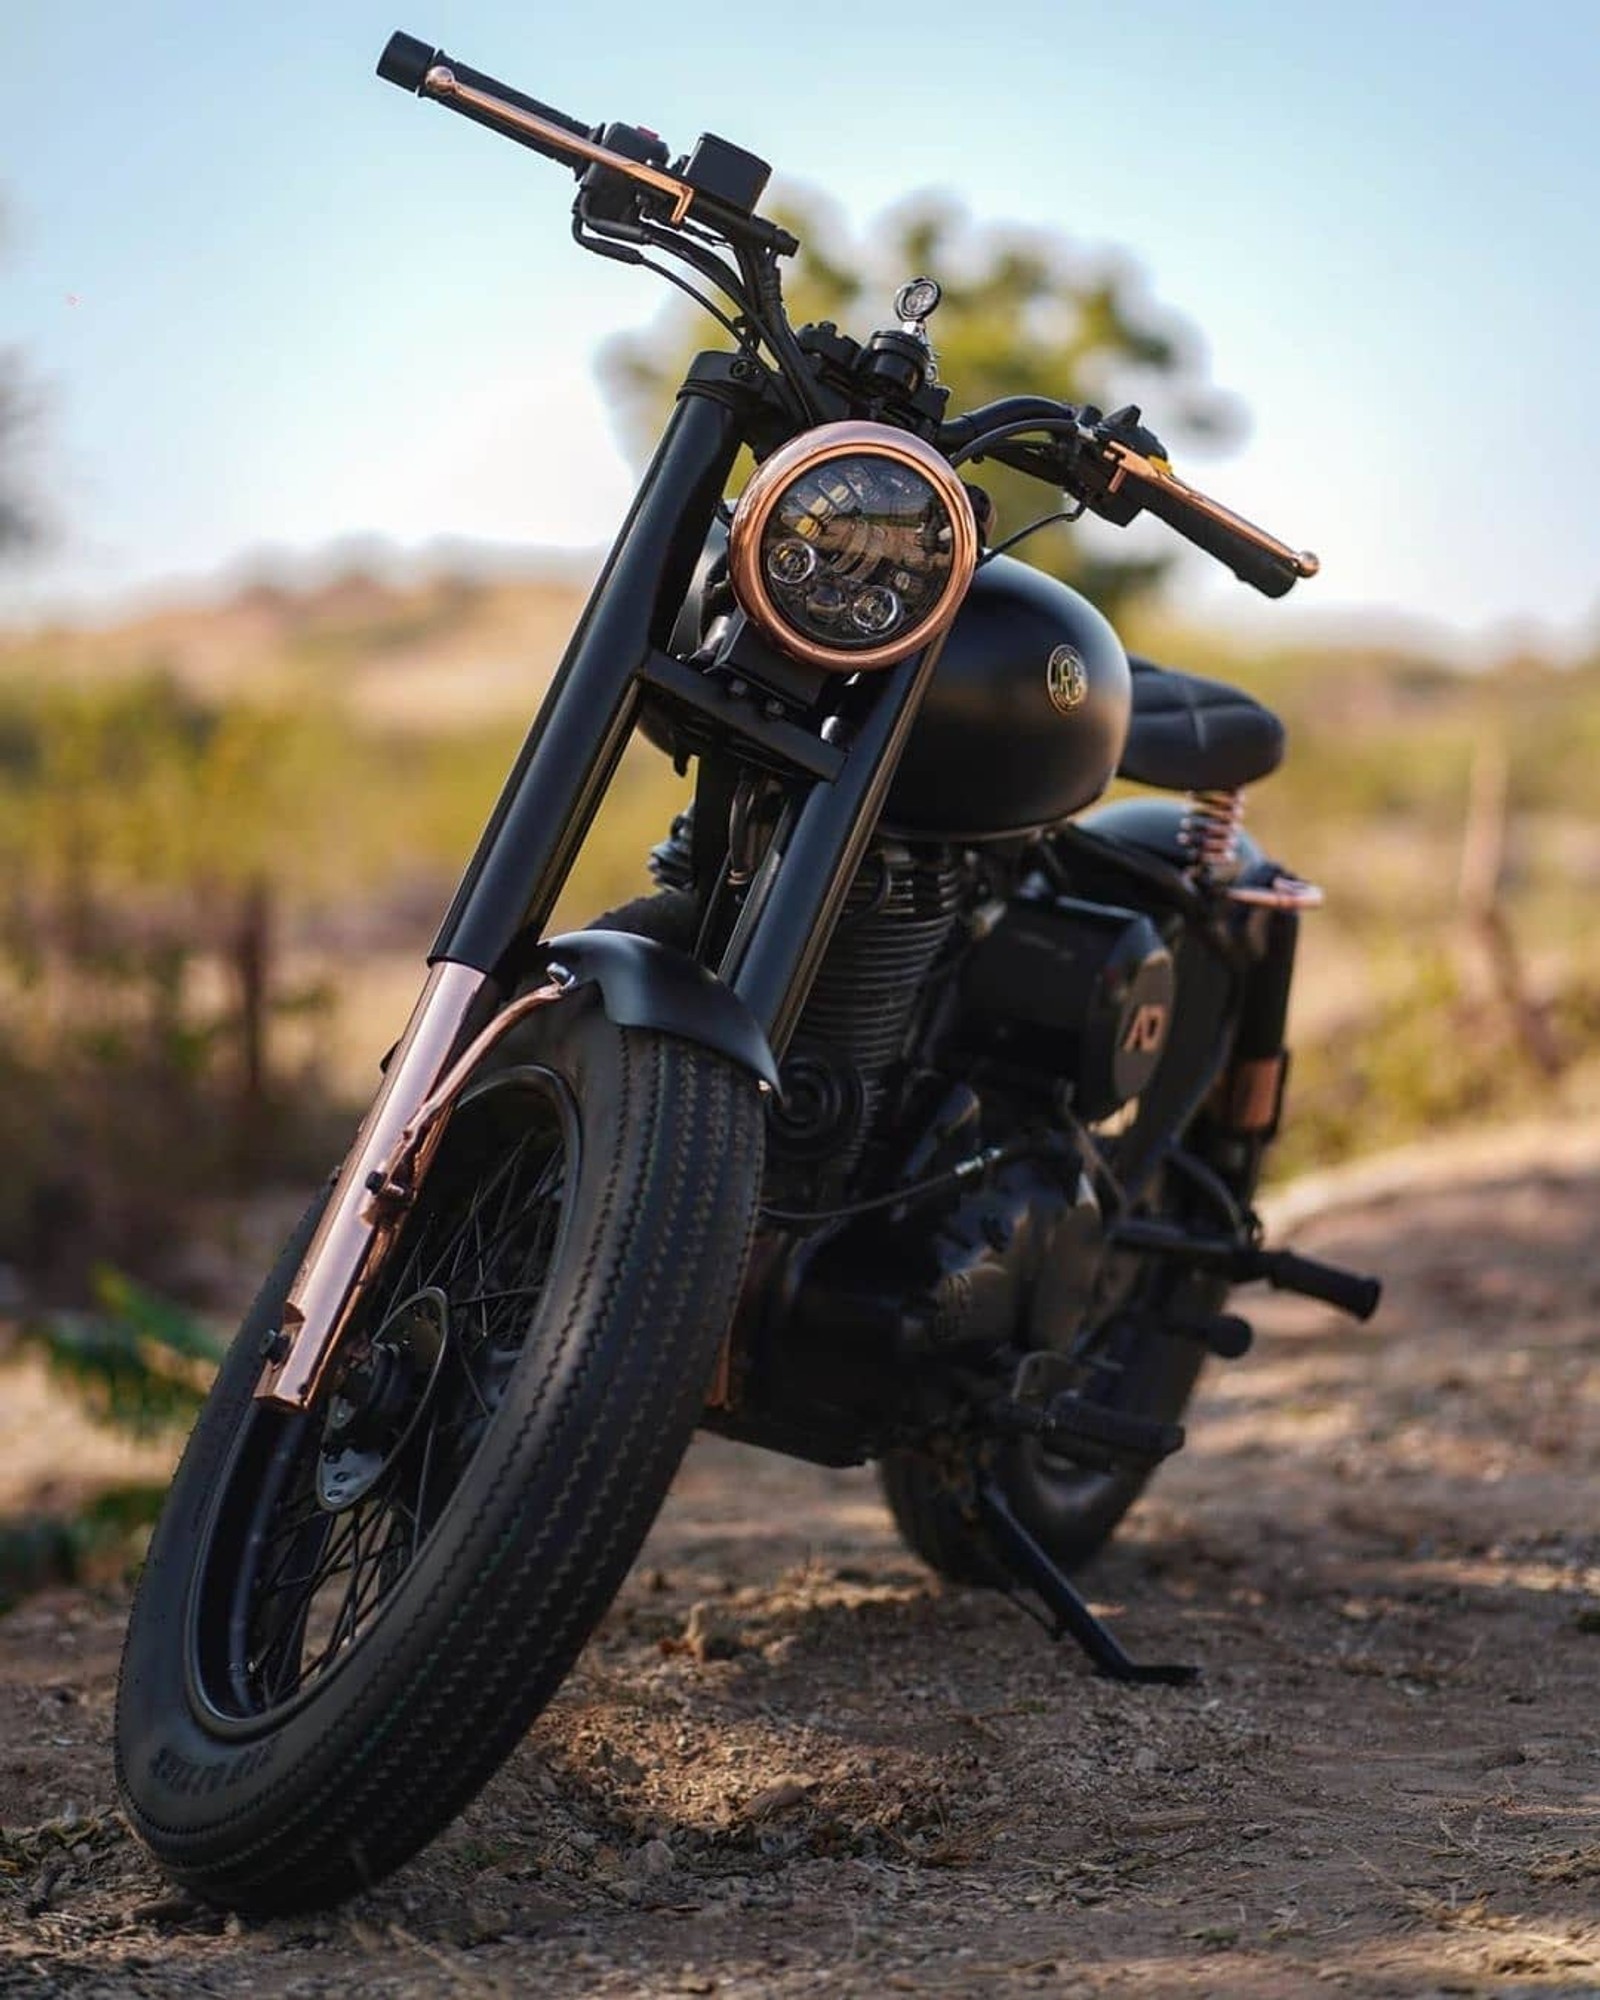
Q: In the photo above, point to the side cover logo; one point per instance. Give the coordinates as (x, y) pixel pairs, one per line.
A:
(1067, 679)
(1147, 1030)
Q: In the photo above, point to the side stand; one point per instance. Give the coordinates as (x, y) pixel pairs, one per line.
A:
(1072, 1617)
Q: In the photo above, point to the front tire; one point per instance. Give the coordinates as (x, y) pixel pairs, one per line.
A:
(348, 1618)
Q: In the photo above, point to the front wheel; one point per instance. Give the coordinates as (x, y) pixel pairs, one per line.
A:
(349, 1617)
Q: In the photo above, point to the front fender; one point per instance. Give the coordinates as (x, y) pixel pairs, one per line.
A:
(648, 985)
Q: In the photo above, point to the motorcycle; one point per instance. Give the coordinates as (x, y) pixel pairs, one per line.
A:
(914, 1118)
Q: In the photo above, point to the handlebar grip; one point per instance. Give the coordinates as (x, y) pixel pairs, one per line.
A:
(1254, 556)
(406, 62)
(1250, 563)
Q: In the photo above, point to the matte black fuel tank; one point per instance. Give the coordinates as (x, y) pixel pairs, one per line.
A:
(1026, 718)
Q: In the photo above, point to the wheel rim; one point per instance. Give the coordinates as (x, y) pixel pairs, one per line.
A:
(320, 1518)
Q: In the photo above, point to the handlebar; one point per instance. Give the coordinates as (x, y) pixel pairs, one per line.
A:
(1118, 478)
(1254, 556)
(1114, 467)
(720, 183)
(408, 63)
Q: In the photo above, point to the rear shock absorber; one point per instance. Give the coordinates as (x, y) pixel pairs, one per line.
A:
(1209, 833)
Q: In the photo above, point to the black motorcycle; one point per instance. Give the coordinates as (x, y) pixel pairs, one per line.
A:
(915, 1118)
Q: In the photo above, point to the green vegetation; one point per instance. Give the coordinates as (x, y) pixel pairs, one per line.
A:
(187, 871)
(217, 828)
(1418, 1010)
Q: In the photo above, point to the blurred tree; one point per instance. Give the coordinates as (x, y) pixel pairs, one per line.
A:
(1025, 312)
(18, 522)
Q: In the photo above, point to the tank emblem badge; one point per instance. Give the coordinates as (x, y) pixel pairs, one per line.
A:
(1067, 679)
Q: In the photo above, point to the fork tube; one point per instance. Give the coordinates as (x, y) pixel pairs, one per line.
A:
(800, 888)
(527, 848)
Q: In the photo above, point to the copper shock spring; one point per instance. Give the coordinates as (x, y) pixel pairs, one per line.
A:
(1209, 834)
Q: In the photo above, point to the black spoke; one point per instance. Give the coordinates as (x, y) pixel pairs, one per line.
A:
(481, 1249)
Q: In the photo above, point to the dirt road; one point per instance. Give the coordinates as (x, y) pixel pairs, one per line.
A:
(792, 1764)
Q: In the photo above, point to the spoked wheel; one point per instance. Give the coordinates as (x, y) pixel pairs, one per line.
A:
(349, 1617)
(330, 1513)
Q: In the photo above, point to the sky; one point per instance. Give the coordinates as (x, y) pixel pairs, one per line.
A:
(267, 301)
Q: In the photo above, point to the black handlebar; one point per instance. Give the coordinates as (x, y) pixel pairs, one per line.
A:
(406, 62)
(1118, 469)
(1112, 465)
(1253, 556)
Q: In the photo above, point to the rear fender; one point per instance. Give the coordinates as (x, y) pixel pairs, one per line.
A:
(1154, 825)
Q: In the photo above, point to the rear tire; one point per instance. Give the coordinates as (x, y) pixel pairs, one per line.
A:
(1072, 1511)
(295, 1719)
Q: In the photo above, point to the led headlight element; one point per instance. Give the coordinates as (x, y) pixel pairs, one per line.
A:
(852, 546)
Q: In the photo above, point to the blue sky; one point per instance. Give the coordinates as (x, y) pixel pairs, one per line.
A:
(270, 301)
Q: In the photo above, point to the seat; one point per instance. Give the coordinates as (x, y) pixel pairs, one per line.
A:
(1194, 735)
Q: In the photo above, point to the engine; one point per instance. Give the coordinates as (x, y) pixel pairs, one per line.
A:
(897, 920)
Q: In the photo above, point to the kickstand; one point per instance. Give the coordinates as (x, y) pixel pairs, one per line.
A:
(1072, 1617)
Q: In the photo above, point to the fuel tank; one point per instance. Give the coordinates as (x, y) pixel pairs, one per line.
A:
(1026, 718)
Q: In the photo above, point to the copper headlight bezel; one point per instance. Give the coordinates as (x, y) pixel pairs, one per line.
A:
(803, 454)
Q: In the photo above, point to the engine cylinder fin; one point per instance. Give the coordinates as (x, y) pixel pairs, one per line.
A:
(896, 919)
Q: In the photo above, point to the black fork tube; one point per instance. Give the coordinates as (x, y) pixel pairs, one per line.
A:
(801, 886)
(561, 774)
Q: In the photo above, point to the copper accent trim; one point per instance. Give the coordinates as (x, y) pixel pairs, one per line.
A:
(1283, 892)
(441, 82)
(394, 1185)
(798, 456)
(720, 1394)
(330, 1277)
(1209, 832)
(1156, 472)
(1252, 1093)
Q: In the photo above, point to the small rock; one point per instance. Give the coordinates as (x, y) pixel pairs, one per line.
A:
(655, 1859)
(164, 1910)
(779, 1797)
(710, 1634)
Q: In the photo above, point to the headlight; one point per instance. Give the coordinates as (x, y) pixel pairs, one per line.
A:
(852, 546)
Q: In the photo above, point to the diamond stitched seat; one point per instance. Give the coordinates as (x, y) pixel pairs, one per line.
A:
(1190, 734)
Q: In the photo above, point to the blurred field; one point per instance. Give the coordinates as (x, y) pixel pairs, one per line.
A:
(228, 830)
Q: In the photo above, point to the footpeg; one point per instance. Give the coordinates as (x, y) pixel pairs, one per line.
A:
(1225, 1335)
(1094, 1434)
(1285, 1270)
(1069, 1616)
(1347, 1291)
(1045, 1405)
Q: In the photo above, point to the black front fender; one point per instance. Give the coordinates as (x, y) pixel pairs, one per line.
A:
(647, 985)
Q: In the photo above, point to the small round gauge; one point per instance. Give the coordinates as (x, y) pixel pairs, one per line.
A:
(917, 300)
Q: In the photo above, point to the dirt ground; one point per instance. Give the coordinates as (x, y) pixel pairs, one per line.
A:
(790, 1763)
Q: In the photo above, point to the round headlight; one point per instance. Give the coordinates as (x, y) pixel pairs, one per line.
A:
(852, 546)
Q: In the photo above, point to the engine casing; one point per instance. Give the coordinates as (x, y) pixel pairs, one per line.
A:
(1079, 991)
